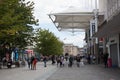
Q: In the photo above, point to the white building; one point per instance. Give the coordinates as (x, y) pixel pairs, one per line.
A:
(70, 49)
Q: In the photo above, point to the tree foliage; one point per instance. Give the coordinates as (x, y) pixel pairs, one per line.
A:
(16, 18)
(47, 43)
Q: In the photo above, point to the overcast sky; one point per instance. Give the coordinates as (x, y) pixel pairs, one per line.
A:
(44, 7)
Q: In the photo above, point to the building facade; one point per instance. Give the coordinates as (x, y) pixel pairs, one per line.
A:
(70, 49)
(103, 31)
(109, 30)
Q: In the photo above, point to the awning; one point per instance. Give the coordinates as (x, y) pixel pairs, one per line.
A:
(109, 28)
(72, 20)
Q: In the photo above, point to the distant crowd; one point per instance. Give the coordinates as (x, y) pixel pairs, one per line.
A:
(61, 60)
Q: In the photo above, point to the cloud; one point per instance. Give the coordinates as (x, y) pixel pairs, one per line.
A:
(45, 7)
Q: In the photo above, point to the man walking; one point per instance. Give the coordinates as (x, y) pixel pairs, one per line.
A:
(106, 59)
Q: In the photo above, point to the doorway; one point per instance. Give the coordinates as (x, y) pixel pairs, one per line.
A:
(114, 55)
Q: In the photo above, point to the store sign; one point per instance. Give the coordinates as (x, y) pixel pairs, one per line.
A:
(92, 27)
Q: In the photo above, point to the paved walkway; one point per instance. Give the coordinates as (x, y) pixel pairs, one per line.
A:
(23, 73)
(87, 72)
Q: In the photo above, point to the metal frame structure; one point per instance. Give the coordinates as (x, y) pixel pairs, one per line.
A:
(73, 21)
(78, 21)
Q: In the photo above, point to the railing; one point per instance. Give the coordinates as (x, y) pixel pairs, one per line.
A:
(113, 8)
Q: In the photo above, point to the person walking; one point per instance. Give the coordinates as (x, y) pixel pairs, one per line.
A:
(78, 60)
(58, 60)
(34, 63)
(53, 59)
(45, 61)
(29, 62)
(106, 59)
(70, 61)
(32, 59)
(61, 61)
(93, 59)
(89, 59)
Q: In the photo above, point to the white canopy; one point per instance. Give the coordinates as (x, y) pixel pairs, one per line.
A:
(73, 18)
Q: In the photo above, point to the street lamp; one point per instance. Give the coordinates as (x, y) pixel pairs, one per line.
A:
(96, 46)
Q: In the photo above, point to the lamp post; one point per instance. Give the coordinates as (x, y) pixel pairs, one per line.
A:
(96, 46)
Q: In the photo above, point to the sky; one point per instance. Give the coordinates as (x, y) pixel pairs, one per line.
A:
(44, 7)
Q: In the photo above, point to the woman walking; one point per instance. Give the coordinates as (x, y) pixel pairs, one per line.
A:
(34, 63)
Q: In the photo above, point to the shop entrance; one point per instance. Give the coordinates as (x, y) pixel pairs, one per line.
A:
(114, 55)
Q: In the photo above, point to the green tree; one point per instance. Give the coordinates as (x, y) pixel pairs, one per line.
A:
(16, 20)
(47, 43)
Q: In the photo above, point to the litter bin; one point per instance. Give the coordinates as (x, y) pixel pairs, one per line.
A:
(109, 62)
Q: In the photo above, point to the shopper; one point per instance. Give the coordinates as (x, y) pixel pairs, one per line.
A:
(34, 63)
(106, 59)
